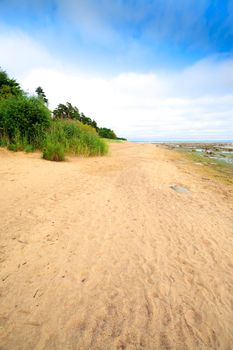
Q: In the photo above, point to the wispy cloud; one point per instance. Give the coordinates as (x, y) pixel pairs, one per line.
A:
(200, 24)
(120, 34)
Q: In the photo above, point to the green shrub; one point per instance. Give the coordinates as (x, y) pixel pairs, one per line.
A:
(12, 147)
(3, 141)
(24, 117)
(53, 151)
(29, 148)
(75, 139)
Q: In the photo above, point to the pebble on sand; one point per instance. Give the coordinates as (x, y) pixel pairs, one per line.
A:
(179, 189)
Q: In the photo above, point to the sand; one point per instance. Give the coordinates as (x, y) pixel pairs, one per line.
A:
(101, 253)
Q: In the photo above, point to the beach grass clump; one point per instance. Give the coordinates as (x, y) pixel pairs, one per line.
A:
(3, 141)
(74, 138)
(29, 148)
(53, 151)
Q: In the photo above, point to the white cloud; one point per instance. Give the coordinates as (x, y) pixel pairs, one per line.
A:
(20, 53)
(196, 103)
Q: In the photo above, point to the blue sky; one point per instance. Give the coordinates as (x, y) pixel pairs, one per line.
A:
(165, 66)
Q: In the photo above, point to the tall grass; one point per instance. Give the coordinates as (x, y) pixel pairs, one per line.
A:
(72, 137)
(19, 142)
(62, 138)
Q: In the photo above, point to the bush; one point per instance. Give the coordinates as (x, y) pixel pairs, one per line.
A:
(53, 151)
(3, 141)
(72, 137)
(12, 147)
(29, 148)
(24, 117)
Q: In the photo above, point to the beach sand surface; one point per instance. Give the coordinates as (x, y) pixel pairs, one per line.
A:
(102, 253)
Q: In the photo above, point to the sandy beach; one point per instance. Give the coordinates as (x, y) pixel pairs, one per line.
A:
(101, 253)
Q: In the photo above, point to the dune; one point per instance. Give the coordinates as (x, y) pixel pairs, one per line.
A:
(104, 253)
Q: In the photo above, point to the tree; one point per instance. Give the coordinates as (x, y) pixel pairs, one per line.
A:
(41, 94)
(66, 111)
(107, 133)
(94, 125)
(8, 87)
(85, 120)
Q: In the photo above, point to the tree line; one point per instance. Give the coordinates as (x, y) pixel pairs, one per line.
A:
(28, 113)
(67, 111)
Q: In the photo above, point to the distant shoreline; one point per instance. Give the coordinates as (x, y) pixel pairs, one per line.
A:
(185, 141)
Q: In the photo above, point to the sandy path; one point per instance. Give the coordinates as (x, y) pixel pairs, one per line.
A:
(102, 254)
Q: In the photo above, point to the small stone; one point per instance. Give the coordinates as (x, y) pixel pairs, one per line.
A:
(179, 189)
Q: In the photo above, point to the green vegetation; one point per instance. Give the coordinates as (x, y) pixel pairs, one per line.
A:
(121, 139)
(8, 87)
(23, 117)
(107, 133)
(41, 94)
(216, 168)
(68, 111)
(26, 125)
(117, 140)
(72, 137)
(53, 151)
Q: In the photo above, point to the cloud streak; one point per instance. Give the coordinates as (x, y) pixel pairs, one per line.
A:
(198, 24)
(122, 34)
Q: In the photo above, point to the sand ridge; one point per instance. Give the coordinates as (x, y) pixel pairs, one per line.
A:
(102, 253)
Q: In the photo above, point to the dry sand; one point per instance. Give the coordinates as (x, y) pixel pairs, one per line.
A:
(101, 253)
